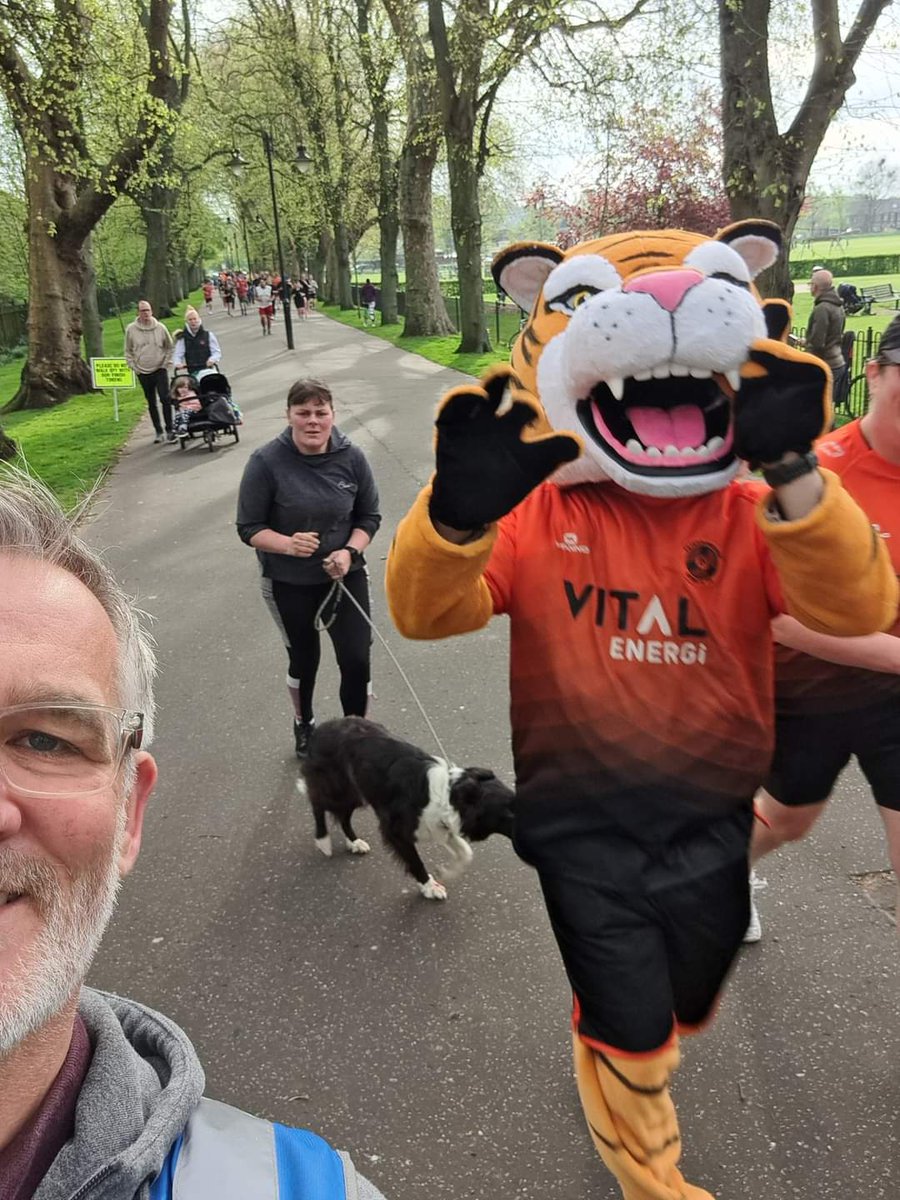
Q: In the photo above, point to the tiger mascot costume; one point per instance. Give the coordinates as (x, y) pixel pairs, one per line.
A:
(597, 507)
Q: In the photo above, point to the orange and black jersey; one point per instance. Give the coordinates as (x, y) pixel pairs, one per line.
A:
(810, 685)
(641, 674)
(639, 644)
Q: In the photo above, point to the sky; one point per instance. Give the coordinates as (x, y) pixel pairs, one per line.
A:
(867, 127)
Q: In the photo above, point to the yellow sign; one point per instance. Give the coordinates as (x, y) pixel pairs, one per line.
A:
(111, 373)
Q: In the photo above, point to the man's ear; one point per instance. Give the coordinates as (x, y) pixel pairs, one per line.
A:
(135, 804)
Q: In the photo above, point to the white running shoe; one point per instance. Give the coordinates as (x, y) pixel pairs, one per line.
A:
(754, 927)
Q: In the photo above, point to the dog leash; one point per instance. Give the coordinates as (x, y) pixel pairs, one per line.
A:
(322, 622)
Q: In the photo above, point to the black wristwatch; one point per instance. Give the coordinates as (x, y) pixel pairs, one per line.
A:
(355, 555)
(787, 472)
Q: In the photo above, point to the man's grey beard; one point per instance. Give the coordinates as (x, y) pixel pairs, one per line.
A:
(38, 985)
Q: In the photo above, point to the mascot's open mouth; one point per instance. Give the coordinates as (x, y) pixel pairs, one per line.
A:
(673, 425)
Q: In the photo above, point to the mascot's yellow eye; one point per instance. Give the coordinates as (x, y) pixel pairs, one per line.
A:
(572, 298)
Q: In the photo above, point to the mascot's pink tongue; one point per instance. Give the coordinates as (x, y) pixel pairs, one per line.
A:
(680, 426)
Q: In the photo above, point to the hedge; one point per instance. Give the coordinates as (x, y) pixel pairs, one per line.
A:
(872, 264)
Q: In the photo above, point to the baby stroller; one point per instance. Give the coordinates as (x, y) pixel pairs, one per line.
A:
(218, 417)
(851, 299)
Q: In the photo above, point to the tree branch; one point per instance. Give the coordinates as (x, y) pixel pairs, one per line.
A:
(97, 198)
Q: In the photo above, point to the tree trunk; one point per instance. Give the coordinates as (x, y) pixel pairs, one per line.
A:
(343, 266)
(54, 369)
(64, 204)
(376, 75)
(776, 281)
(426, 314)
(90, 311)
(389, 230)
(318, 261)
(155, 275)
(330, 270)
(465, 220)
(8, 448)
(766, 172)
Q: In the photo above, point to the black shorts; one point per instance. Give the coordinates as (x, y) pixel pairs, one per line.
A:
(645, 958)
(812, 750)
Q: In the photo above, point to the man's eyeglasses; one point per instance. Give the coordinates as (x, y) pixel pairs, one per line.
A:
(65, 749)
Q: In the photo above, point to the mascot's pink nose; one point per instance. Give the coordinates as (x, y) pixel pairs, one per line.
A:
(667, 288)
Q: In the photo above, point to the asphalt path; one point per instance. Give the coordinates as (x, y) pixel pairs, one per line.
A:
(431, 1040)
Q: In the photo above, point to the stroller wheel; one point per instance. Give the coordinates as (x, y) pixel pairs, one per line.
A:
(237, 436)
(182, 442)
(210, 438)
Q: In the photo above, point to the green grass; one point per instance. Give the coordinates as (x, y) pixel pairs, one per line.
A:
(855, 246)
(879, 320)
(438, 349)
(71, 445)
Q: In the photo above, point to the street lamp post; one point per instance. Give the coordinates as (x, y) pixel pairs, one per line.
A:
(303, 162)
(285, 298)
(246, 243)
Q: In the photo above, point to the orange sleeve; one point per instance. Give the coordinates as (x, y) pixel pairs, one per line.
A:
(435, 589)
(834, 570)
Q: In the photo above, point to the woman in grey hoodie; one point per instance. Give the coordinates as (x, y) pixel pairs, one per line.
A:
(308, 505)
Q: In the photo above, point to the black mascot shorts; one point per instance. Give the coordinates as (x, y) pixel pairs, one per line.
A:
(652, 949)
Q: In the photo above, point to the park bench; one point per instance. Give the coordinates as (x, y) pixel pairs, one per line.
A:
(879, 293)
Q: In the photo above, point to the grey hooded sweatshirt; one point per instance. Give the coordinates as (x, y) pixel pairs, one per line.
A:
(142, 1085)
(331, 493)
(826, 325)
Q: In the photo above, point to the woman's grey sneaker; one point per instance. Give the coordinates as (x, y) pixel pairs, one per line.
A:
(302, 734)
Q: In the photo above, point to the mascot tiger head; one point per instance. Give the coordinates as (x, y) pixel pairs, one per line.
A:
(635, 342)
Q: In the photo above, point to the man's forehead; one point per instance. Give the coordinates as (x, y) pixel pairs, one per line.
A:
(54, 636)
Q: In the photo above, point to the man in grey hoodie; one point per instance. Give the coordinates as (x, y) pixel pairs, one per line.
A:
(826, 328)
(100, 1097)
(148, 348)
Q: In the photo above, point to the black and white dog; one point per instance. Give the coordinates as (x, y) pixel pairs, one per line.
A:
(353, 762)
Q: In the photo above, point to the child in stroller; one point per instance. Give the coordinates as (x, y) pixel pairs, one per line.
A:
(204, 408)
(185, 402)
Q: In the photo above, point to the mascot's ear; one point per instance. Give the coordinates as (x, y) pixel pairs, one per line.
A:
(778, 315)
(757, 242)
(520, 270)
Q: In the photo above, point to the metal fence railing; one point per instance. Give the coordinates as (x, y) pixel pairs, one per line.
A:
(858, 345)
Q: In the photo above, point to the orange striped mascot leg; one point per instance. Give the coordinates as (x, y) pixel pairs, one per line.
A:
(632, 1120)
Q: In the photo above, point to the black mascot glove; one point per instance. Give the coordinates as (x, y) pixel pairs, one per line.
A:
(484, 467)
(784, 403)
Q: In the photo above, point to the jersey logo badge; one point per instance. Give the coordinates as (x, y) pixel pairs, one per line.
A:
(702, 560)
(571, 543)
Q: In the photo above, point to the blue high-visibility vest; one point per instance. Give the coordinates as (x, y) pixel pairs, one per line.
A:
(226, 1154)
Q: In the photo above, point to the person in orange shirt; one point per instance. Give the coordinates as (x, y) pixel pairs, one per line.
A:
(640, 583)
(837, 698)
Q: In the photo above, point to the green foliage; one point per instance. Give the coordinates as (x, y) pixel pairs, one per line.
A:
(437, 349)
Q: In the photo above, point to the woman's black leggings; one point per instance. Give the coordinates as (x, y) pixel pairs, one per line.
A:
(350, 635)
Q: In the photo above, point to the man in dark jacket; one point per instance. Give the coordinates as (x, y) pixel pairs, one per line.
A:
(100, 1097)
(826, 327)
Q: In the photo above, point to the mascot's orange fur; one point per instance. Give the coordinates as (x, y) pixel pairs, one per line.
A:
(596, 507)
